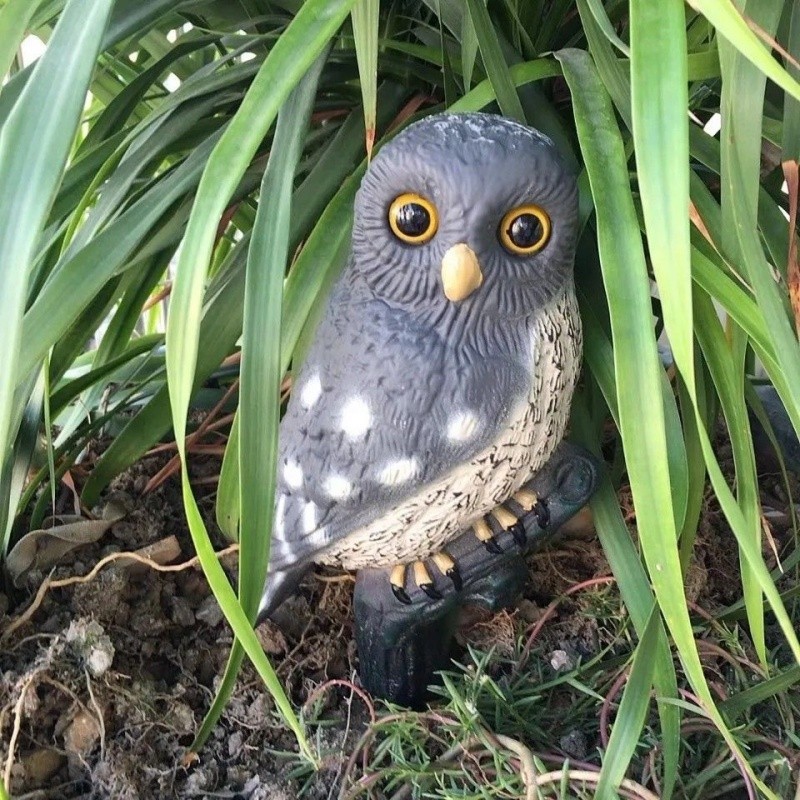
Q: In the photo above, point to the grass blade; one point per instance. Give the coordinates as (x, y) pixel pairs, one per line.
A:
(632, 711)
(286, 63)
(659, 98)
(228, 505)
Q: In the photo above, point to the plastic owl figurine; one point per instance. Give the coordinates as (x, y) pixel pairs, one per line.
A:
(441, 375)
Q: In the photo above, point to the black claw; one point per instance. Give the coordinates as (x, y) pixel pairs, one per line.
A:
(493, 547)
(431, 591)
(455, 576)
(401, 594)
(542, 513)
(517, 530)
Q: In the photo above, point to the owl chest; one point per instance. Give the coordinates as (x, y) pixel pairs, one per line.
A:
(537, 423)
(445, 508)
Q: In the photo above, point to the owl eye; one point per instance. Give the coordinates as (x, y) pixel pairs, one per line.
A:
(413, 219)
(524, 230)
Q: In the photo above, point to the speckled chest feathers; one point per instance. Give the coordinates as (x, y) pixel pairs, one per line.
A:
(441, 375)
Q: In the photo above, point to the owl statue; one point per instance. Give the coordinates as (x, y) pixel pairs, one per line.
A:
(441, 374)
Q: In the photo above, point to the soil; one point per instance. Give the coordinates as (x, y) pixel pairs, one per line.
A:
(104, 687)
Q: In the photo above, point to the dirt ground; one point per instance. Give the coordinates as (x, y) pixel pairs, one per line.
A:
(104, 687)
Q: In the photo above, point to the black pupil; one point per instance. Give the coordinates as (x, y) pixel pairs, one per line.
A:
(413, 219)
(525, 231)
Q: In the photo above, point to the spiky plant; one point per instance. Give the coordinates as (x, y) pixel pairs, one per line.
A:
(212, 171)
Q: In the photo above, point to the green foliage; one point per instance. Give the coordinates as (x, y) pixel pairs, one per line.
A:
(218, 192)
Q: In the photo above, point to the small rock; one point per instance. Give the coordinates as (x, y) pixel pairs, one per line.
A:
(209, 612)
(40, 765)
(235, 742)
(182, 718)
(528, 611)
(574, 745)
(81, 734)
(560, 661)
(88, 640)
(181, 612)
(271, 638)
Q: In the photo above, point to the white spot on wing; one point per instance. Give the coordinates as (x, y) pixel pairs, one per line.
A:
(309, 517)
(293, 475)
(337, 487)
(279, 528)
(462, 426)
(399, 471)
(319, 538)
(311, 391)
(356, 417)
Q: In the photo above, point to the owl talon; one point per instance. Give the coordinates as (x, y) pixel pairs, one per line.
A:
(397, 579)
(509, 522)
(431, 591)
(423, 579)
(493, 547)
(484, 534)
(455, 577)
(542, 513)
(401, 594)
(448, 568)
(517, 530)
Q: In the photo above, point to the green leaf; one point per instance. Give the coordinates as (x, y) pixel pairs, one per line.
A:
(637, 367)
(658, 88)
(14, 18)
(35, 141)
(365, 32)
(256, 436)
(632, 711)
(469, 50)
(286, 63)
(227, 509)
(731, 24)
(495, 63)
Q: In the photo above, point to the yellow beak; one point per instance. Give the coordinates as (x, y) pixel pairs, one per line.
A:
(461, 272)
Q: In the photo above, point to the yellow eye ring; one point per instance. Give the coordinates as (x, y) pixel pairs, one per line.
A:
(524, 230)
(413, 219)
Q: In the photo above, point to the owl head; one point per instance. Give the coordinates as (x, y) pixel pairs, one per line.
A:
(466, 213)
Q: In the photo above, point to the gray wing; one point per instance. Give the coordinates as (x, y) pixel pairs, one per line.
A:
(381, 408)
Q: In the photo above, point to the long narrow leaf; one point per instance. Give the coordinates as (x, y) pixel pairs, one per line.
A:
(636, 362)
(365, 33)
(34, 145)
(14, 18)
(256, 439)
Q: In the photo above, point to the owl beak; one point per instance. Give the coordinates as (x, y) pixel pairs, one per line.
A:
(461, 272)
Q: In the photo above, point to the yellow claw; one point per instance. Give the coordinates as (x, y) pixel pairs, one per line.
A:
(526, 498)
(482, 530)
(397, 579)
(448, 568)
(504, 517)
(423, 579)
(443, 561)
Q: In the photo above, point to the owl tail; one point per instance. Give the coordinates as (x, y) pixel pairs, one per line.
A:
(280, 584)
